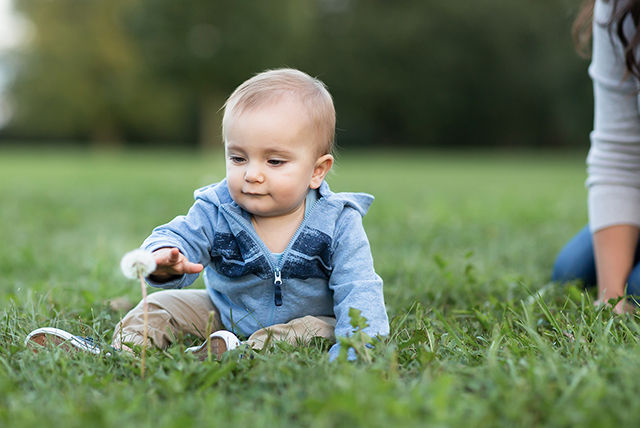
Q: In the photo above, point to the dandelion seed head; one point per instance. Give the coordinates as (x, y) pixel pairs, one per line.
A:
(137, 262)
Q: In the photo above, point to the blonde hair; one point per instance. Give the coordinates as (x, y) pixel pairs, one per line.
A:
(271, 85)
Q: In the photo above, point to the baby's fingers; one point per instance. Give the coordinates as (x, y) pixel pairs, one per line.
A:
(174, 256)
(167, 256)
(192, 267)
(172, 261)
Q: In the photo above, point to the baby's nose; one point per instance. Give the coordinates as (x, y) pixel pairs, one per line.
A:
(253, 174)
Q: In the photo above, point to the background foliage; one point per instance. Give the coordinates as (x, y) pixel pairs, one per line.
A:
(416, 72)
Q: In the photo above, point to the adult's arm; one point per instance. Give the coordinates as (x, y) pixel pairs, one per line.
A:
(614, 158)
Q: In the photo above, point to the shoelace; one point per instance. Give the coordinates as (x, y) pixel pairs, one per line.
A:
(87, 340)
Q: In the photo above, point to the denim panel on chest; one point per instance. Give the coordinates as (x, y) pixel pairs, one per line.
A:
(309, 256)
(239, 255)
(236, 256)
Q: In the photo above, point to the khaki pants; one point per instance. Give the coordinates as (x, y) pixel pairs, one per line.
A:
(176, 312)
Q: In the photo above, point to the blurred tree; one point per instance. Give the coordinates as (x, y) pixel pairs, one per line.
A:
(211, 46)
(80, 77)
(486, 72)
(415, 72)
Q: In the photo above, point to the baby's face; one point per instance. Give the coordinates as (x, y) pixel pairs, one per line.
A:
(270, 156)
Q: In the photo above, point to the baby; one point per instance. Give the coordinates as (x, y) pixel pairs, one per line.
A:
(284, 258)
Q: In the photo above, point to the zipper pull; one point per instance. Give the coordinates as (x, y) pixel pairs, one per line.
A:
(277, 281)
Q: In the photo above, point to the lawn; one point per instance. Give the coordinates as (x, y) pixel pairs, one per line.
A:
(464, 242)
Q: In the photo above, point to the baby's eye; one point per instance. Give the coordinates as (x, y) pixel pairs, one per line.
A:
(275, 162)
(236, 159)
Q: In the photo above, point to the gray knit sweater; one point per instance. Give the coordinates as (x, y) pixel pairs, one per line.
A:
(613, 164)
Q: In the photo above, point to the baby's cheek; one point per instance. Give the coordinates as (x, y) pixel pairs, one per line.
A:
(234, 188)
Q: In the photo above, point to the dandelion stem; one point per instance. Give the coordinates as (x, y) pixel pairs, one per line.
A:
(209, 331)
(146, 323)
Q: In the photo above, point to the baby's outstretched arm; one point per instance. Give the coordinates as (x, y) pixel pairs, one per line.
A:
(171, 263)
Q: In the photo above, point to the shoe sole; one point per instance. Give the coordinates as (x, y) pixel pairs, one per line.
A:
(44, 340)
(215, 346)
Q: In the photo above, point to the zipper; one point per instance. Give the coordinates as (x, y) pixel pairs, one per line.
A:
(276, 268)
(277, 282)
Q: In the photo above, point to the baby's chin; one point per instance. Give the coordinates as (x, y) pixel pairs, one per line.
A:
(265, 208)
(257, 211)
(267, 213)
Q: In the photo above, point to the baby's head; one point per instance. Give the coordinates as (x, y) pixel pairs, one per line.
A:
(278, 130)
(272, 86)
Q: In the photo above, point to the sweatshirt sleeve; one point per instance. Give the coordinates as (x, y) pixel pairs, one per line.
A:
(192, 234)
(354, 281)
(613, 164)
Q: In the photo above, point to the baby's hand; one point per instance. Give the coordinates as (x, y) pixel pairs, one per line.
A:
(171, 262)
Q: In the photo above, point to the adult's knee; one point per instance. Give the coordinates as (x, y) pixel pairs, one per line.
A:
(567, 269)
(561, 271)
(575, 262)
(633, 282)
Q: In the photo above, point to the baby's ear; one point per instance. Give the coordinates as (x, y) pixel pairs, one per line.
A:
(320, 170)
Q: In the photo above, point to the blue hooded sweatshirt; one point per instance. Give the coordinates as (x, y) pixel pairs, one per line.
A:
(326, 269)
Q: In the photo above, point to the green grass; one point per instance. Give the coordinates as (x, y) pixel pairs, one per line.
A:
(463, 242)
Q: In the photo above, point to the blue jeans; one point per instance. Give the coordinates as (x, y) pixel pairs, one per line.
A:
(576, 262)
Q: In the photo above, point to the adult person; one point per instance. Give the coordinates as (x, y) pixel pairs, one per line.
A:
(606, 251)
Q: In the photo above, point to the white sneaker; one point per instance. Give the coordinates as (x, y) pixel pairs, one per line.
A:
(218, 343)
(60, 338)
